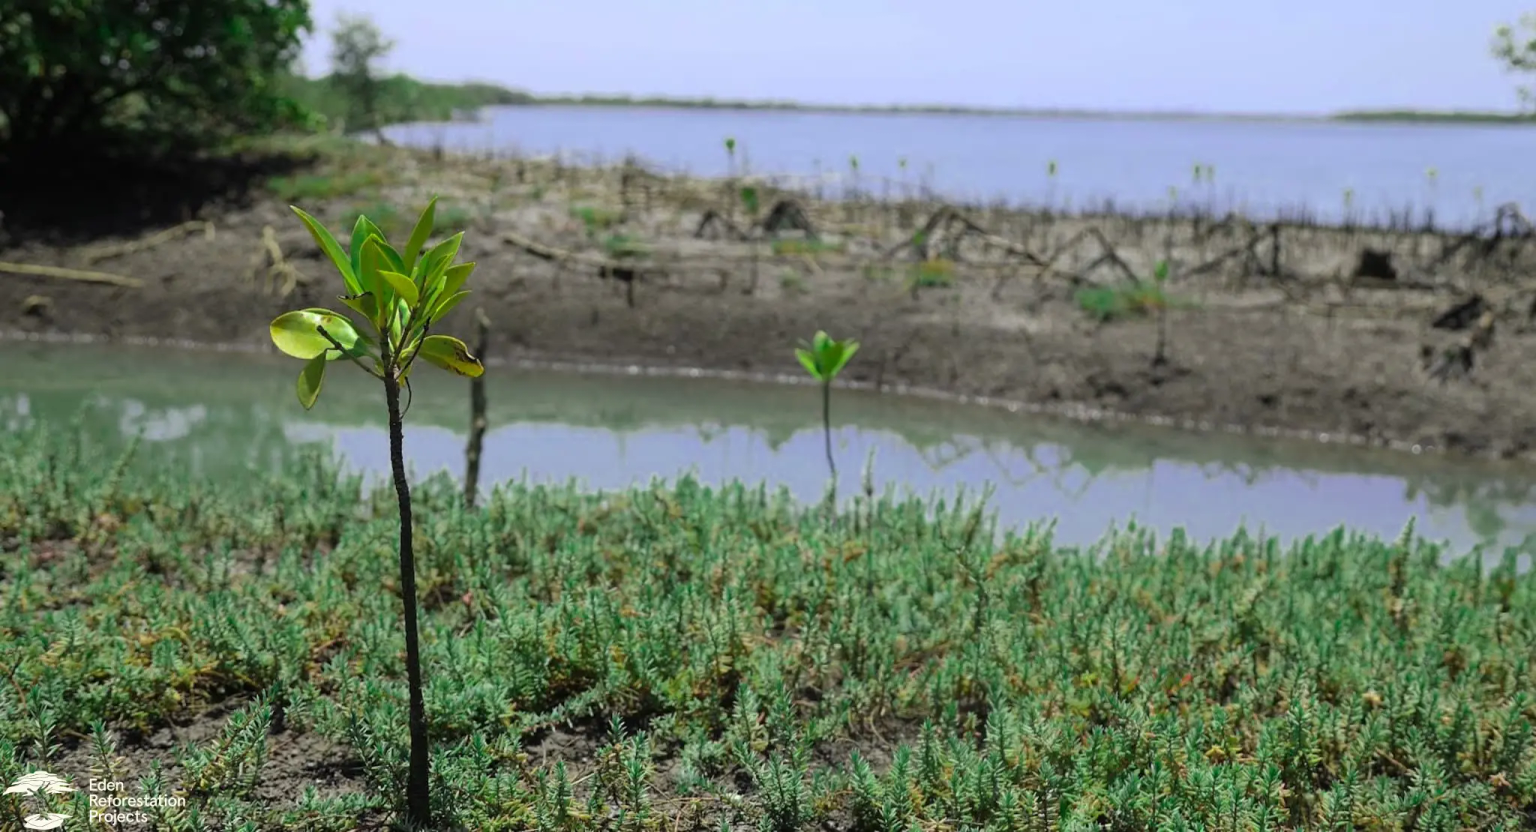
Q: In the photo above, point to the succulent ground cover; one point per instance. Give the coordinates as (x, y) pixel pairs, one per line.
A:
(683, 657)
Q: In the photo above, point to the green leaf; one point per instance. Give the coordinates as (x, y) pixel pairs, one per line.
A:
(808, 360)
(310, 379)
(455, 276)
(845, 351)
(298, 333)
(361, 231)
(396, 322)
(391, 257)
(451, 354)
(402, 286)
(368, 264)
(446, 306)
(419, 235)
(438, 258)
(1160, 272)
(365, 304)
(332, 250)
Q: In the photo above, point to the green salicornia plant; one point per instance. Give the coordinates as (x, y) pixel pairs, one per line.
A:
(400, 295)
(824, 358)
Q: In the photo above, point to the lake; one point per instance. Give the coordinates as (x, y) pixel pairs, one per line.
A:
(1460, 172)
(220, 414)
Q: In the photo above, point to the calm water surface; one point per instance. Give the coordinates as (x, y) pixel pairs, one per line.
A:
(222, 413)
(1261, 167)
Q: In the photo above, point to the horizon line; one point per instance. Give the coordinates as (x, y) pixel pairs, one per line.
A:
(1390, 113)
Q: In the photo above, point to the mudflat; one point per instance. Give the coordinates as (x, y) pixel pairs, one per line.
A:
(1389, 336)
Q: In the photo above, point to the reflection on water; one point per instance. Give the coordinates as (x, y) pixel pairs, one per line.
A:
(224, 413)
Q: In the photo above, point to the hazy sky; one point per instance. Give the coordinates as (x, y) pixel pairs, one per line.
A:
(1223, 55)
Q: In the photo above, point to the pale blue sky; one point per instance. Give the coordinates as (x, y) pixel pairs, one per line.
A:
(1273, 56)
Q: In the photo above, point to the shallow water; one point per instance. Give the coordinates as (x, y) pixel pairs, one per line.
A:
(1259, 167)
(223, 412)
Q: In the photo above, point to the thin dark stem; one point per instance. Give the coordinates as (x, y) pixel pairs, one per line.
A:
(418, 807)
(477, 421)
(826, 427)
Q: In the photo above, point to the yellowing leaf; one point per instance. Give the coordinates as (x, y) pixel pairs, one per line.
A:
(310, 379)
(451, 354)
(364, 305)
(298, 333)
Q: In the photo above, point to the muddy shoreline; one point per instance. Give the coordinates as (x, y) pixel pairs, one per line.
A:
(1275, 338)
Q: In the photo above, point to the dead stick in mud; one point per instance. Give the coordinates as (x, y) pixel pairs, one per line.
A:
(71, 274)
(159, 238)
(476, 414)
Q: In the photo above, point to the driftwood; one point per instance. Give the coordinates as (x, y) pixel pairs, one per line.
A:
(71, 274)
(606, 268)
(952, 227)
(714, 221)
(153, 240)
(270, 263)
(788, 215)
(785, 215)
(1458, 360)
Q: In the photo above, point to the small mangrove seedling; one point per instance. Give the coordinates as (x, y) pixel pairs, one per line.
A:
(401, 295)
(824, 358)
(730, 168)
(749, 201)
(853, 167)
(1160, 302)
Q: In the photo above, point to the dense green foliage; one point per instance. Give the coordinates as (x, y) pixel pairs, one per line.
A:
(400, 98)
(1436, 117)
(91, 75)
(675, 657)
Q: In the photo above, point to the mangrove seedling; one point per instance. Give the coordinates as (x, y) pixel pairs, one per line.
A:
(401, 295)
(824, 358)
(1159, 279)
(730, 168)
(749, 201)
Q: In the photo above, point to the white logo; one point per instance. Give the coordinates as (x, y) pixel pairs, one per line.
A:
(41, 782)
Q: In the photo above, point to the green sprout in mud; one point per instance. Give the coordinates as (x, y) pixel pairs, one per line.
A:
(401, 295)
(823, 357)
